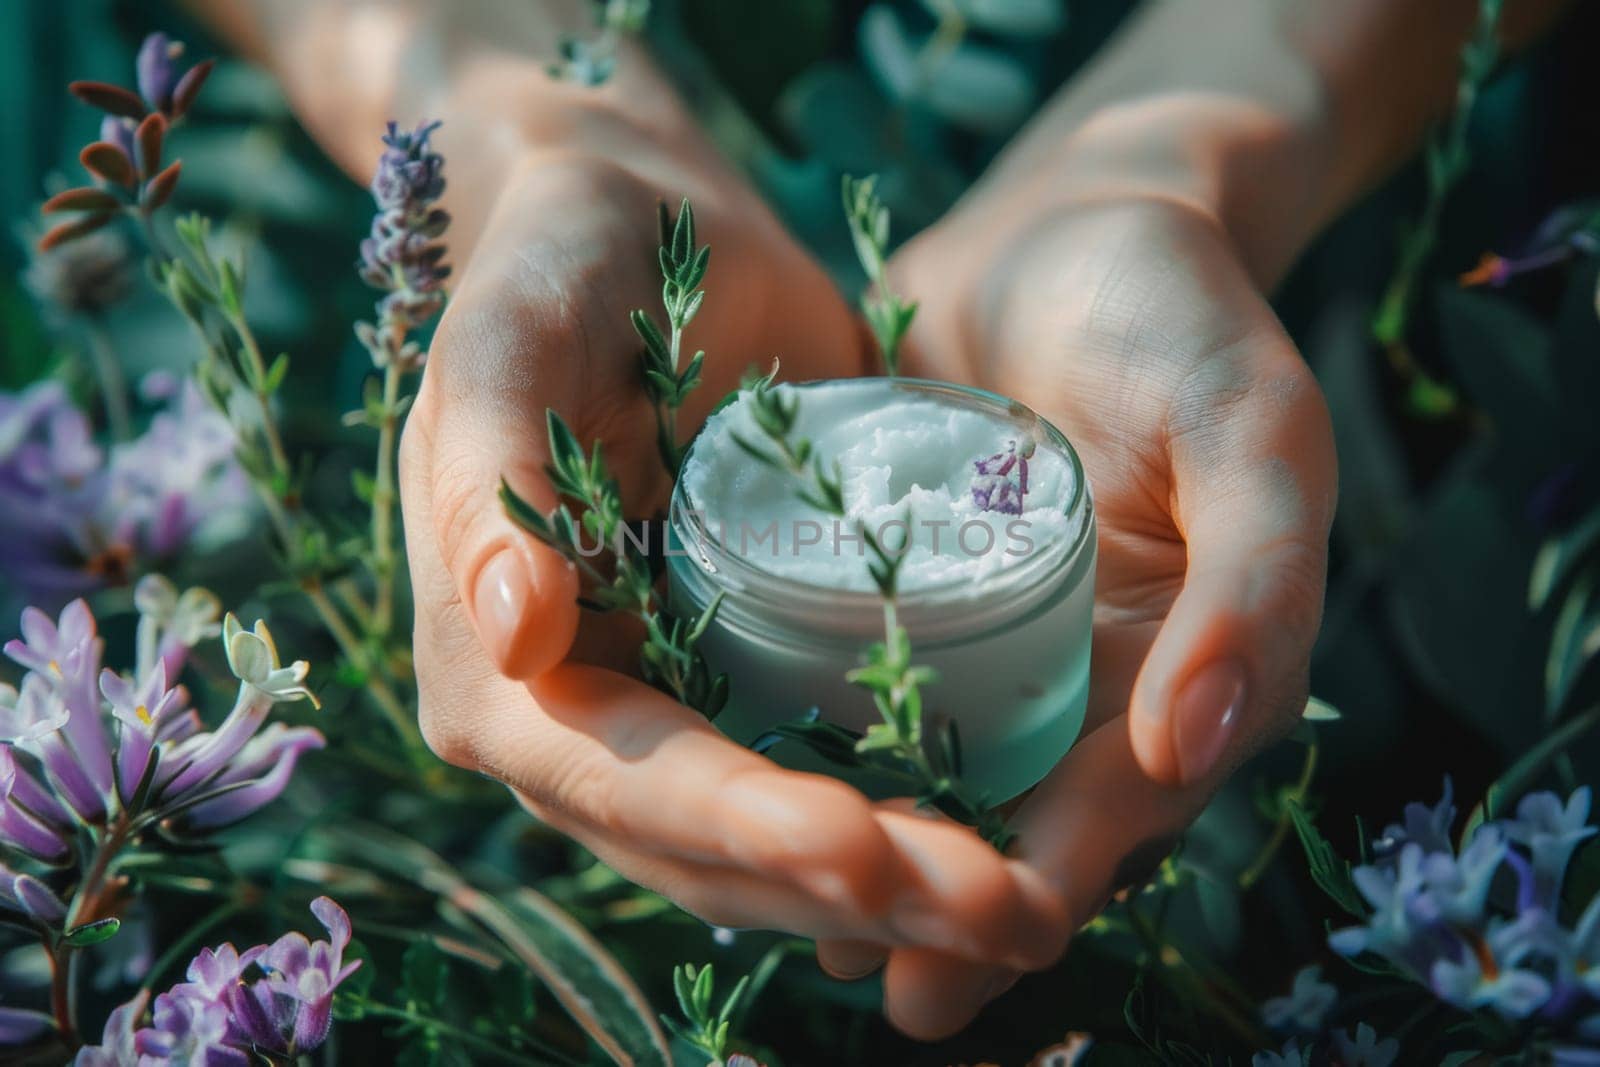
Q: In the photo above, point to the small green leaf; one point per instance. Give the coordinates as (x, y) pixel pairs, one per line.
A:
(92, 933)
(424, 974)
(1328, 869)
(1320, 711)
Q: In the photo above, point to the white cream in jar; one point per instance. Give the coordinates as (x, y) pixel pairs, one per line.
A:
(996, 589)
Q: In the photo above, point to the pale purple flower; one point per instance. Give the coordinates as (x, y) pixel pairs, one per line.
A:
(1291, 1055)
(256, 777)
(1552, 832)
(75, 516)
(1000, 483)
(275, 999)
(1365, 1049)
(141, 708)
(172, 623)
(291, 1008)
(190, 1030)
(37, 900)
(19, 1026)
(66, 654)
(118, 131)
(117, 1046)
(19, 828)
(1457, 888)
(156, 67)
(1307, 1005)
(1427, 826)
(1488, 974)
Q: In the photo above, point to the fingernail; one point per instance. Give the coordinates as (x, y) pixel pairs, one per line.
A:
(1205, 717)
(499, 601)
(850, 960)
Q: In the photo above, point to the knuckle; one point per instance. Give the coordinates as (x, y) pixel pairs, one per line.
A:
(442, 731)
(457, 496)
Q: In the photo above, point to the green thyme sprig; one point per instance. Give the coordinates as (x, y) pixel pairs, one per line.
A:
(207, 288)
(683, 267)
(887, 315)
(592, 60)
(897, 744)
(709, 1026)
(1447, 157)
(670, 655)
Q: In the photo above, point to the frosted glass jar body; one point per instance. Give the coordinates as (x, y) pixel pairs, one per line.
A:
(1012, 651)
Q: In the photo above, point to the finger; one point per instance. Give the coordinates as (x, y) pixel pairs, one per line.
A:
(850, 960)
(1253, 484)
(991, 907)
(932, 995)
(1068, 836)
(717, 894)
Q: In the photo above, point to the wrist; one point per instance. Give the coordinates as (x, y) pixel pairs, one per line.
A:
(1258, 172)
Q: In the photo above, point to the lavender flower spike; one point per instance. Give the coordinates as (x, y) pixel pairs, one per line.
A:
(400, 255)
(993, 487)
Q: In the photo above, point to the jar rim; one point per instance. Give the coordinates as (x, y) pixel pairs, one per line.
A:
(713, 559)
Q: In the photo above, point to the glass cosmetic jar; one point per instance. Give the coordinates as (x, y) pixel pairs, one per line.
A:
(1009, 635)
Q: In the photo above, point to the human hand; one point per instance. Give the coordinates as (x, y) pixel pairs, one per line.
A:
(1130, 323)
(515, 685)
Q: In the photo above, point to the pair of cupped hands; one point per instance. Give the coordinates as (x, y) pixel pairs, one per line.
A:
(1128, 320)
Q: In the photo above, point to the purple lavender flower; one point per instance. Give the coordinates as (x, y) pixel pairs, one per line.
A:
(1490, 975)
(1435, 919)
(1551, 832)
(994, 488)
(186, 1029)
(75, 517)
(1291, 1055)
(1307, 1005)
(117, 1046)
(275, 999)
(400, 255)
(1428, 827)
(19, 1026)
(156, 68)
(291, 1008)
(1365, 1049)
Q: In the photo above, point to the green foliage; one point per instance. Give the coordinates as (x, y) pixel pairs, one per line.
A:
(683, 267)
(707, 1026)
(1330, 870)
(886, 313)
(670, 654)
(896, 745)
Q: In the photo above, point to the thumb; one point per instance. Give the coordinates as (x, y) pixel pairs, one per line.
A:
(1254, 481)
(519, 594)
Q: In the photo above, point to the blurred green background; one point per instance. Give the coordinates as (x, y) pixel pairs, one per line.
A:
(1431, 646)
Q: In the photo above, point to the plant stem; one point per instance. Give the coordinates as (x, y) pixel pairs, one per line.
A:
(383, 498)
(258, 369)
(358, 655)
(467, 1037)
(84, 908)
(113, 386)
(1280, 829)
